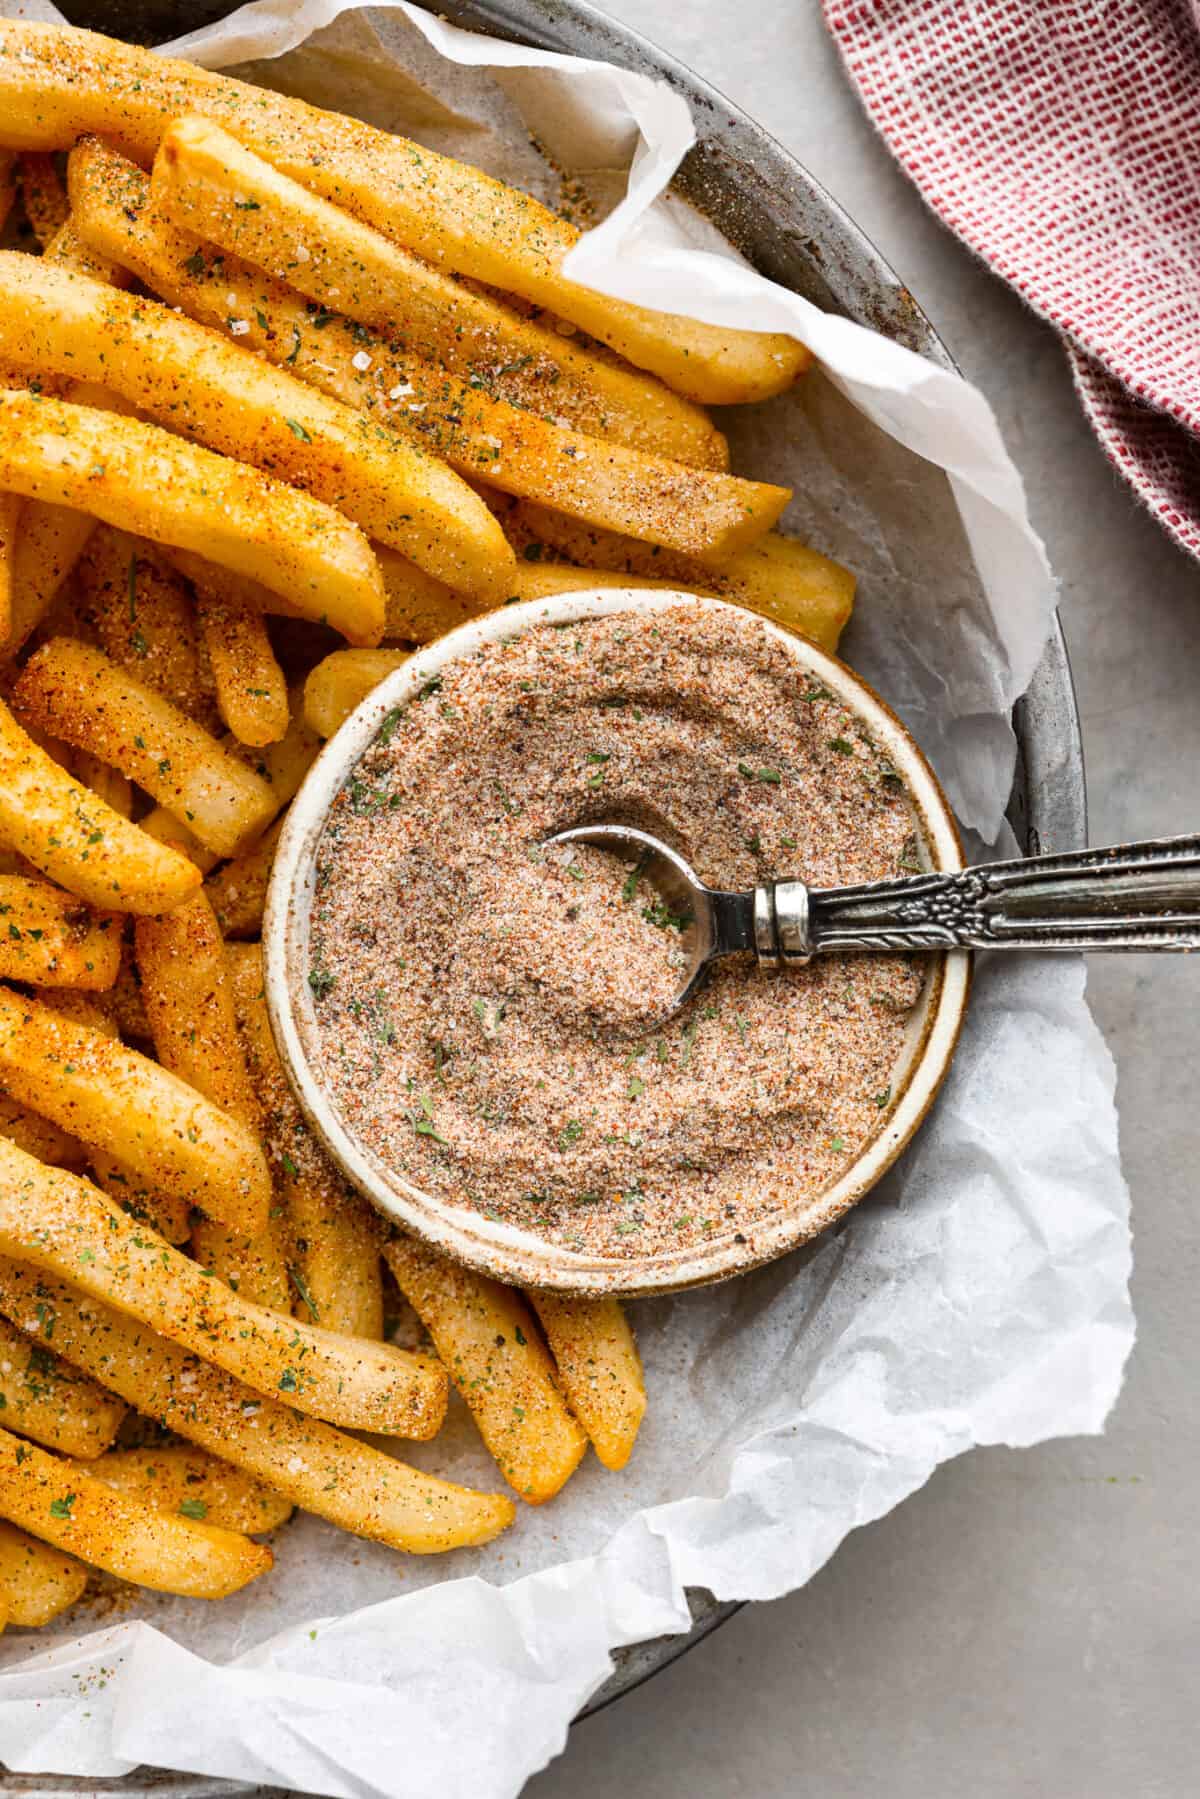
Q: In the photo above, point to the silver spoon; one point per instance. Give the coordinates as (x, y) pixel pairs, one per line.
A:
(1133, 896)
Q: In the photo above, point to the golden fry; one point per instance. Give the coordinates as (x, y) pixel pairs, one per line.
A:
(72, 836)
(599, 1367)
(114, 788)
(778, 576)
(42, 1397)
(74, 692)
(124, 1105)
(48, 937)
(36, 1582)
(49, 544)
(44, 196)
(605, 482)
(176, 1478)
(10, 518)
(38, 1137)
(55, 84)
(69, 251)
(207, 182)
(64, 1225)
(141, 612)
(418, 608)
(251, 691)
(189, 1008)
(221, 395)
(335, 1236)
(174, 492)
(238, 889)
(342, 681)
(167, 1213)
(492, 1347)
(65, 1506)
(316, 1467)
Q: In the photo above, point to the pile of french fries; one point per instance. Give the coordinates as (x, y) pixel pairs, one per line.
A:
(281, 396)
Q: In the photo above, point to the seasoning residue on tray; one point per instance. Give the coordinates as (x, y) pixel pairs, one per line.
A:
(494, 1014)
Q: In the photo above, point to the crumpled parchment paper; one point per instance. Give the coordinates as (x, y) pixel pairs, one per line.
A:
(979, 1296)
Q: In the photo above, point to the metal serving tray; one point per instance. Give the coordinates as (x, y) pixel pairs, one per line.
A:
(766, 203)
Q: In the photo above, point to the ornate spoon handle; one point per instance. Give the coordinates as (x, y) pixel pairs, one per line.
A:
(1132, 896)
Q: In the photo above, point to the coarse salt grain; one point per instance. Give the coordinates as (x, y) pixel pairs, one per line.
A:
(360, 360)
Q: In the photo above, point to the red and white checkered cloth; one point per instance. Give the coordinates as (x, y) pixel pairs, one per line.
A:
(1060, 139)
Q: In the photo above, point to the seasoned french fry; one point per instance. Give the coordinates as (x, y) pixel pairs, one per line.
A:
(284, 764)
(164, 827)
(114, 788)
(38, 1137)
(251, 689)
(777, 576)
(490, 1342)
(124, 1105)
(335, 1237)
(124, 999)
(76, 839)
(141, 612)
(418, 608)
(176, 1478)
(64, 1225)
(71, 1509)
(535, 580)
(36, 1582)
(43, 1397)
(605, 482)
(599, 1367)
(342, 681)
(147, 479)
(316, 1467)
(56, 84)
(237, 890)
(44, 196)
(223, 396)
(49, 937)
(168, 1213)
(10, 516)
(49, 544)
(189, 1007)
(210, 184)
(74, 692)
(69, 251)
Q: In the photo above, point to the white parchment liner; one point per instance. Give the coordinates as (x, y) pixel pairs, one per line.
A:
(979, 1296)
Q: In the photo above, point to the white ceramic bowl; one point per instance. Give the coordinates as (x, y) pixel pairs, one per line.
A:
(522, 1257)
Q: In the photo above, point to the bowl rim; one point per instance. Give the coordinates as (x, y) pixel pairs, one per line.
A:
(522, 1258)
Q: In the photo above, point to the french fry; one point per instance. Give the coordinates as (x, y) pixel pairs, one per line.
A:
(168, 1213)
(124, 999)
(228, 399)
(176, 1478)
(44, 196)
(207, 182)
(74, 692)
(72, 836)
(69, 251)
(10, 516)
(335, 1237)
(64, 1225)
(251, 689)
(154, 483)
(55, 84)
(142, 615)
(48, 937)
(599, 1367)
(46, 1399)
(605, 482)
(316, 1467)
(418, 608)
(536, 580)
(189, 1007)
(164, 827)
(342, 681)
(237, 890)
(778, 576)
(109, 784)
(49, 544)
(72, 1510)
(38, 1137)
(122, 1104)
(489, 1340)
(36, 1582)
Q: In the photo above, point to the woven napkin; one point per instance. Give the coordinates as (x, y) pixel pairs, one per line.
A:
(1060, 140)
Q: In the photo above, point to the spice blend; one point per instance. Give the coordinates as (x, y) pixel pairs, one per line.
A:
(494, 1014)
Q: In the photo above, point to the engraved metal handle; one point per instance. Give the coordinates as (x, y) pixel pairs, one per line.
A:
(1132, 896)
